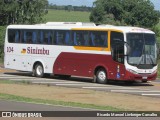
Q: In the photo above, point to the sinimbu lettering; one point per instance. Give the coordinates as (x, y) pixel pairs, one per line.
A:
(37, 50)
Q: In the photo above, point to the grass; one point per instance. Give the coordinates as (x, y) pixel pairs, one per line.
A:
(15, 82)
(7, 82)
(54, 102)
(66, 16)
(1, 61)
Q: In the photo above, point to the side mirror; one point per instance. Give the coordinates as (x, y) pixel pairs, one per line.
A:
(128, 48)
(120, 42)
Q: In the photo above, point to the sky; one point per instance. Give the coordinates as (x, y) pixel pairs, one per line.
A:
(90, 2)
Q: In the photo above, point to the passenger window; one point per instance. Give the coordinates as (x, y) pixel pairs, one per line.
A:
(34, 37)
(98, 39)
(62, 37)
(14, 36)
(11, 36)
(80, 38)
(17, 37)
(29, 37)
(67, 38)
(47, 37)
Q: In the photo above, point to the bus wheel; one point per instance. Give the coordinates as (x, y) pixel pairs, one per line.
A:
(64, 76)
(101, 76)
(39, 71)
(129, 82)
(144, 81)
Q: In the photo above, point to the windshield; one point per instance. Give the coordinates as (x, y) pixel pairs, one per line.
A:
(142, 50)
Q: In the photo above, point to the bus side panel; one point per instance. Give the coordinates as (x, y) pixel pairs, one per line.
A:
(83, 64)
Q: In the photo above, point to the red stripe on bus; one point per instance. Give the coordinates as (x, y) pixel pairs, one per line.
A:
(82, 64)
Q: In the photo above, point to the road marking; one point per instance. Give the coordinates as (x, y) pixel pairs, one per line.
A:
(54, 82)
(15, 78)
(150, 94)
(36, 79)
(22, 79)
(82, 84)
(78, 84)
(109, 87)
(156, 82)
(133, 91)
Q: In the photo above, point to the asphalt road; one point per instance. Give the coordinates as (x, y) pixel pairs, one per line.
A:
(143, 89)
(11, 108)
(23, 106)
(151, 89)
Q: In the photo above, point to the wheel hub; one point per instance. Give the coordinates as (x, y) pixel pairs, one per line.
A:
(39, 70)
(102, 76)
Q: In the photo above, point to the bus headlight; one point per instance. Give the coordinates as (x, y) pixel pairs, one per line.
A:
(154, 72)
(132, 71)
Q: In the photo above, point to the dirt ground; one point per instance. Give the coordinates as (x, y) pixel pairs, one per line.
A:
(118, 100)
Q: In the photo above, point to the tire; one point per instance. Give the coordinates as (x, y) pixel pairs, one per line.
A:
(64, 76)
(38, 71)
(46, 75)
(101, 76)
(129, 82)
(144, 81)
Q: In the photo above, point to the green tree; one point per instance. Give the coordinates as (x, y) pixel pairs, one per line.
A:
(22, 11)
(98, 13)
(129, 12)
(2, 36)
(31, 11)
(107, 11)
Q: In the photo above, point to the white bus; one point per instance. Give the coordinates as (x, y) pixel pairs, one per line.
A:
(102, 52)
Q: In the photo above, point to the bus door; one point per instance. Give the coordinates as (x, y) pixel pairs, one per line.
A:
(117, 51)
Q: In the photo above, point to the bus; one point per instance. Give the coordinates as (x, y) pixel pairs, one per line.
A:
(65, 49)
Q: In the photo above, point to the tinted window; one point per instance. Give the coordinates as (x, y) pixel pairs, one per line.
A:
(14, 36)
(44, 36)
(90, 38)
(98, 39)
(27, 37)
(59, 37)
(117, 45)
(62, 37)
(80, 38)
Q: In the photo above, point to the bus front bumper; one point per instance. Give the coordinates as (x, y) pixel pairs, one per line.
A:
(141, 76)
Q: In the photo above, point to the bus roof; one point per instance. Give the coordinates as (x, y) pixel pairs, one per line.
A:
(127, 29)
(81, 26)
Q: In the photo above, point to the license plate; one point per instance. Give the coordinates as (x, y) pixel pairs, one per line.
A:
(144, 78)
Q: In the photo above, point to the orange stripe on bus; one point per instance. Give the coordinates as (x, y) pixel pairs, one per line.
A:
(97, 29)
(91, 48)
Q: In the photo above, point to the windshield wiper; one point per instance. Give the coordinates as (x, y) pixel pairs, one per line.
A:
(139, 61)
(143, 56)
(151, 59)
